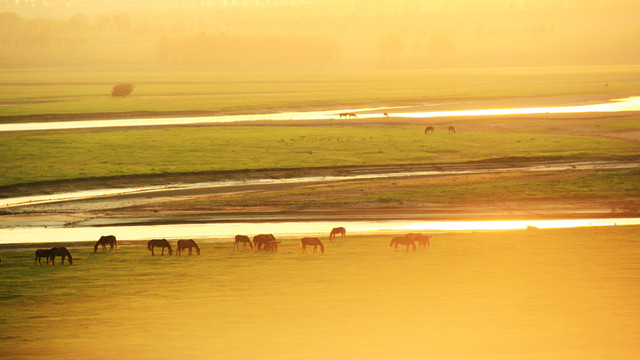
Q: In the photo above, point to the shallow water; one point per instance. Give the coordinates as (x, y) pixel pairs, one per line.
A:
(627, 104)
(227, 231)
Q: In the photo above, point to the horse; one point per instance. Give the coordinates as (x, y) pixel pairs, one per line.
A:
(41, 253)
(402, 240)
(242, 239)
(187, 244)
(104, 240)
(429, 129)
(335, 231)
(348, 115)
(452, 129)
(271, 246)
(423, 240)
(311, 241)
(385, 115)
(62, 252)
(163, 243)
(262, 239)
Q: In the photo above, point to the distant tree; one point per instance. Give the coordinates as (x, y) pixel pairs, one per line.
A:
(122, 89)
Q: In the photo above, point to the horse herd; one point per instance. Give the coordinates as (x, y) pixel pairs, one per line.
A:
(260, 243)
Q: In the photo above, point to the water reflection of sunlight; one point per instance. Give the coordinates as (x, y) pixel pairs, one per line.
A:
(226, 231)
(627, 104)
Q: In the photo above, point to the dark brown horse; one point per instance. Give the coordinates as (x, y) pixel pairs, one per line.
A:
(335, 231)
(42, 253)
(242, 239)
(104, 240)
(311, 241)
(271, 246)
(452, 129)
(163, 243)
(348, 115)
(423, 240)
(187, 244)
(429, 129)
(62, 252)
(402, 240)
(260, 240)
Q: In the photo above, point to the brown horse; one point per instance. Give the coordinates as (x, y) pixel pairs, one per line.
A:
(423, 240)
(311, 241)
(41, 253)
(429, 129)
(452, 129)
(163, 243)
(262, 239)
(242, 239)
(187, 244)
(271, 246)
(402, 240)
(62, 252)
(104, 240)
(348, 115)
(335, 231)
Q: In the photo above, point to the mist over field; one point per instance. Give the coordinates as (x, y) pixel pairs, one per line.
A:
(320, 34)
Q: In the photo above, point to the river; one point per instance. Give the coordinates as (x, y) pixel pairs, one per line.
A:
(616, 105)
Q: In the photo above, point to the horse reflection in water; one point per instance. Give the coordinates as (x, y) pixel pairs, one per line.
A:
(104, 241)
(311, 241)
(187, 244)
(242, 239)
(62, 252)
(403, 240)
(163, 243)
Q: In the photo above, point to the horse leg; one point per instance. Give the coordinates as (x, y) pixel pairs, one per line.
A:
(304, 250)
(152, 253)
(190, 251)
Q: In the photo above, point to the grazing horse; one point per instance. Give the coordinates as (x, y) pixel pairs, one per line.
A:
(348, 115)
(311, 241)
(335, 231)
(41, 253)
(402, 240)
(62, 252)
(242, 239)
(163, 243)
(187, 244)
(452, 129)
(423, 240)
(104, 240)
(271, 246)
(429, 129)
(263, 239)
(385, 115)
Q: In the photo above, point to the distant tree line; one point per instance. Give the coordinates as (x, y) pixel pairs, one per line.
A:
(238, 50)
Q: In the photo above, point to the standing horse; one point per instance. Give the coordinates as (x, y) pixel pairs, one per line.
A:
(271, 246)
(335, 231)
(104, 240)
(262, 239)
(423, 240)
(242, 239)
(311, 241)
(402, 240)
(429, 129)
(452, 129)
(187, 244)
(41, 253)
(163, 243)
(62, 252)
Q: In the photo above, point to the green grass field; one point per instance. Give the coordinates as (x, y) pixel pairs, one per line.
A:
(33, 92)
(43, 156)
(526, 294)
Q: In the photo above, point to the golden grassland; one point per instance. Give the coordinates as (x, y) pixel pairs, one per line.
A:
(522, 294)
